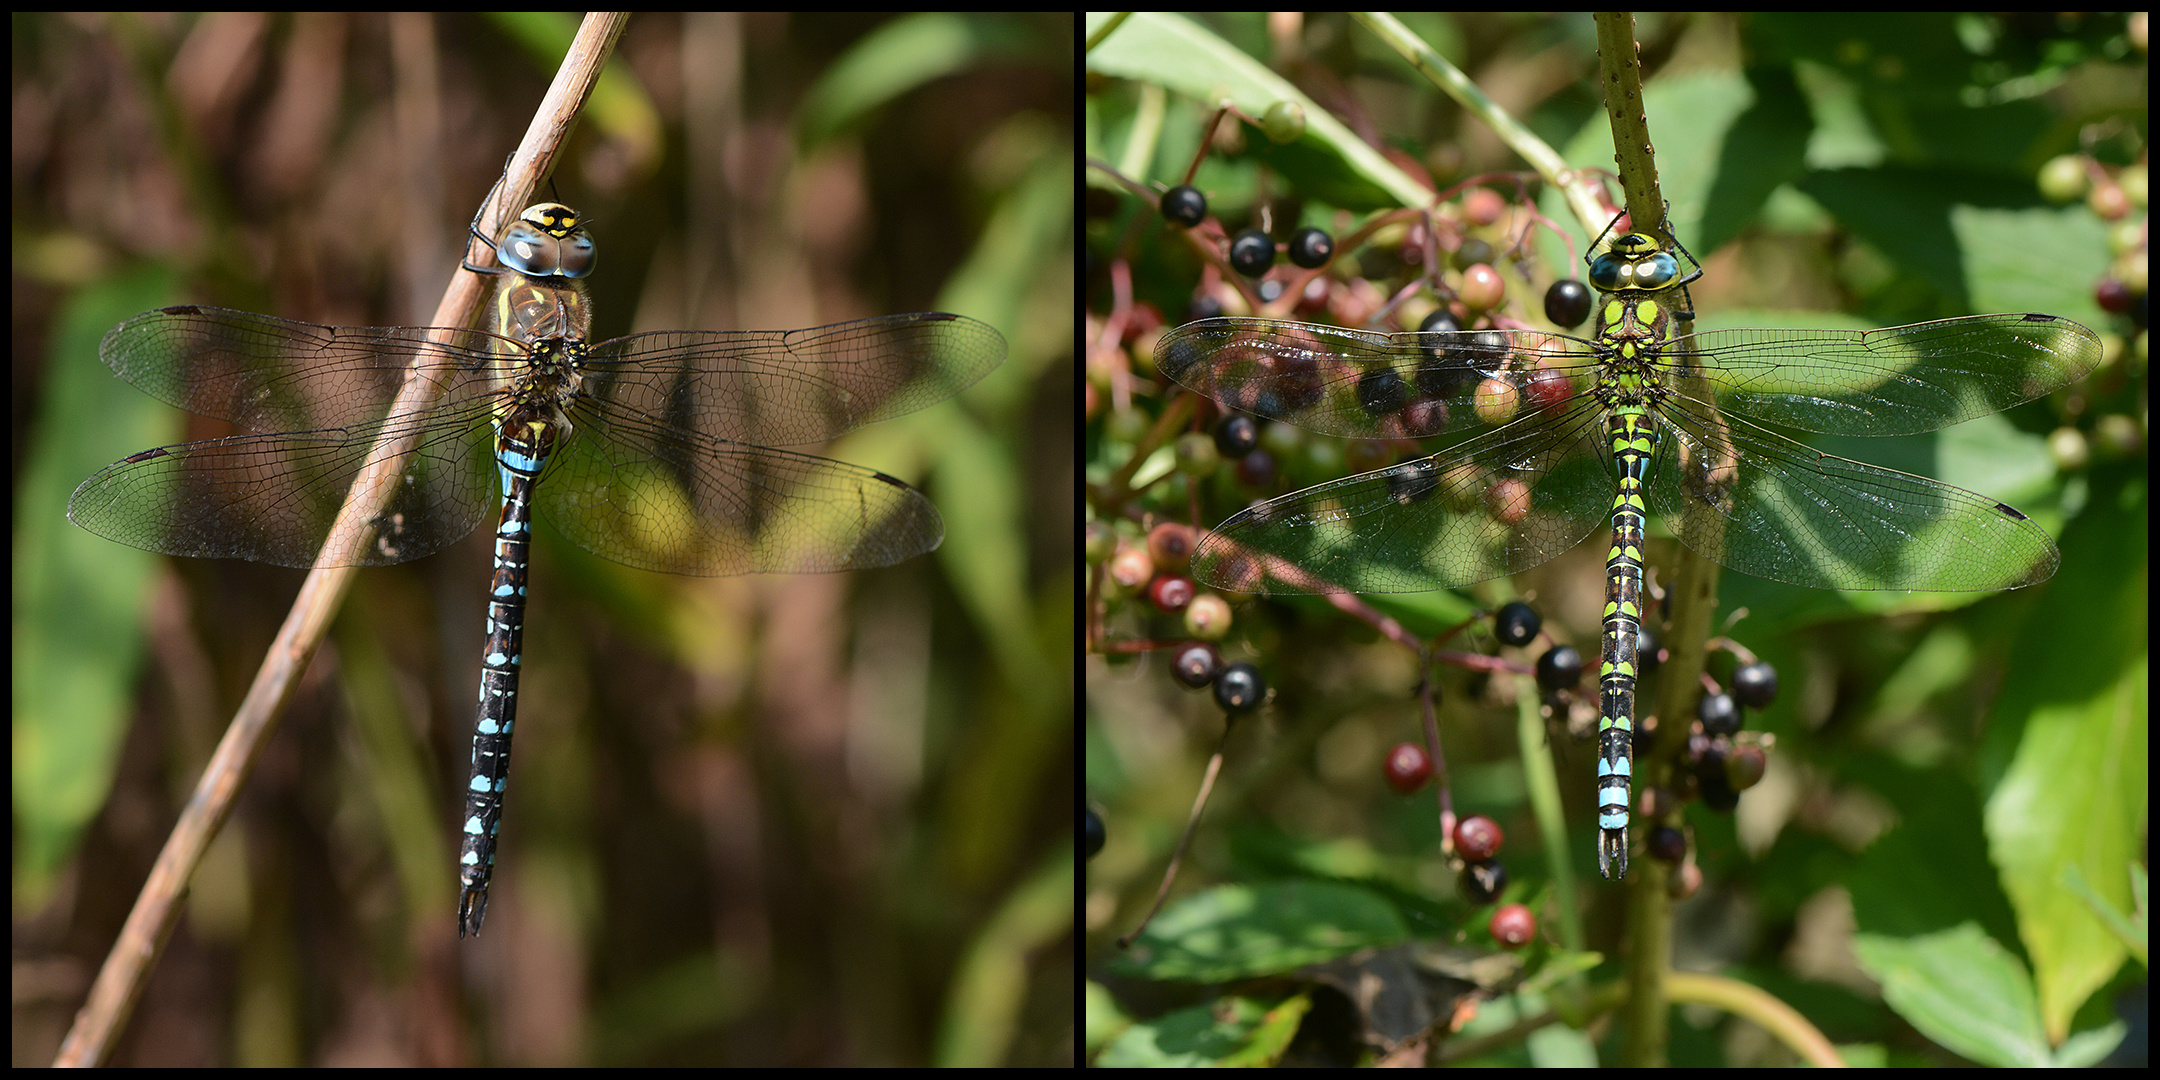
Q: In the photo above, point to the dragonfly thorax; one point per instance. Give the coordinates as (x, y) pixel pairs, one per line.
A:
(530, 309)
(548, 380)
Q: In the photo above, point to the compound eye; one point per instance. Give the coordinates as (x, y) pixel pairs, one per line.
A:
(1657, 271)
(1606, 271)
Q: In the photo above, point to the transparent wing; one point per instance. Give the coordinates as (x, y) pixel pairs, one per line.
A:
(273, 498)
(1894, 381)
(1501, 503)
(652, 497)
(791, 387)
(320, 393)
(1757, 502)
(674, 464)
(1373, 386)
(268, 375)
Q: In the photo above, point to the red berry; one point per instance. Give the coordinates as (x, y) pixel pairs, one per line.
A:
(1513, 926)
(1170, 593)
(1478, 838)
(1408, 768)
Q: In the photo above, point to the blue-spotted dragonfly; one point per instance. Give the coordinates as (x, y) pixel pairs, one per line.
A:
(1558, 434)
(661, 451)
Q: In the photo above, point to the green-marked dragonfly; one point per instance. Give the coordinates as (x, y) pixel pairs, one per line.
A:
(657, 450)
(1563, 433)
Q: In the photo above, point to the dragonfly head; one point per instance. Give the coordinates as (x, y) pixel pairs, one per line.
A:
(547, 240)
(1634, 262)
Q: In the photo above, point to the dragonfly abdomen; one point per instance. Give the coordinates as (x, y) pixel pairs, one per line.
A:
(521, 453)
(1634, 443)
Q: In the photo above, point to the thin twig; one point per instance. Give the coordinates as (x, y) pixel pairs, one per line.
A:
(1192, 825)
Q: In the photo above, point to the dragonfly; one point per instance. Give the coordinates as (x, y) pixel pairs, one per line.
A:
(663, 451)
(1554, 435)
